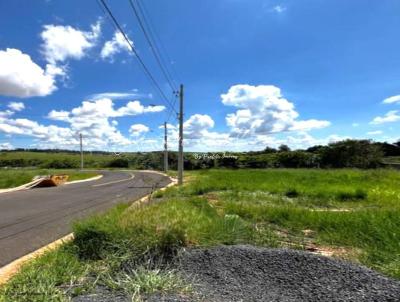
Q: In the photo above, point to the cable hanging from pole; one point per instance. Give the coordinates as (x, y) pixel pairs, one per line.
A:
(152, 44)
(156, 38)
(132, 48)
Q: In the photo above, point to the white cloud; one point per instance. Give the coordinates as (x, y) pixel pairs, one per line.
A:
(389, 117)
(6, 146)
(58, 115)
(135, 108)
(138, 129)
(21, 77)
(377, 132)
(355, 125)
(197, 126)
(16, 106)
(95, 119)
(309, 125)
(5, 114)
(279, 9)
(392, 99)
(64, 42)
(114, 46)
(263, 110)
(115, 95)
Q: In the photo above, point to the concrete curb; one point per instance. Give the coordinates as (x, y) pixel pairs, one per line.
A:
(21, 187)
(146, 199)
(8, 271)
(28, 185)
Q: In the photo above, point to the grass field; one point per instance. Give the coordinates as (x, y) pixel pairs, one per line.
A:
(350, 214)
(10, 178)
(392, 159)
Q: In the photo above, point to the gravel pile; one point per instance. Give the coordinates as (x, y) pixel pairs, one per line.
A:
(246, 273)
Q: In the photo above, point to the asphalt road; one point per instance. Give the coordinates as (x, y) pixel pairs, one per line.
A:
(33, 218)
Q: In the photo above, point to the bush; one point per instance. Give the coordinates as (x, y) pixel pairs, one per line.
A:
(358, 194)
(352, 154)
(297, 159)
(170, 241)
(90, 241)
(65, 163)
(292, 193)
(119, 163)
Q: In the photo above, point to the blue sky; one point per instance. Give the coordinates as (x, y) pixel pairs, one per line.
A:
(256, 73)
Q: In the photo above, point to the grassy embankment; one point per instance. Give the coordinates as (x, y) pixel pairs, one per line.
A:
(11, 178)
(354, 214)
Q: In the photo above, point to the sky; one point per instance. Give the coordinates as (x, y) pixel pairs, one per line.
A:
(256, 73)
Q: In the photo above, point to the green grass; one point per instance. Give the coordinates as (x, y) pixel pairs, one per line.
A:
(10, 178)
(355, 210)
(392, 159)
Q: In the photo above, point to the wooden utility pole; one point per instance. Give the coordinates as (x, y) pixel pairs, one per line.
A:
(165, 148)
(180, 155)
(80, 139)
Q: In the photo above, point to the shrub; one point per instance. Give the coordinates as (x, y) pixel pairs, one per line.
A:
(65, 163)
(119, 163)
(352, 153)
(90, 241)
(358, 194)
(292, 193)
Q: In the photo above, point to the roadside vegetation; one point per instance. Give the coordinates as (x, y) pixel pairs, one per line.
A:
(343, 154)
(10, 178)
(350, 214)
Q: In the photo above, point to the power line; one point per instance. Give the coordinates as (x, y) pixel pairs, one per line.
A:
(132, 48)
(150, 35)
(171, 112)
(152, 44)
(156, 38)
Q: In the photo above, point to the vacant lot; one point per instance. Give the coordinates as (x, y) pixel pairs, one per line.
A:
(10, 178)
(349, 214)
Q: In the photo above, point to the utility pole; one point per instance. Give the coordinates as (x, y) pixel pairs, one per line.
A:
(180, 155)
(80, 140)
(165, 148)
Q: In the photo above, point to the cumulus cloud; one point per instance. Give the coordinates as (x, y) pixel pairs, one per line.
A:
(263, 110)
(95, 119)
(392, 100)
(116, 45)
(138, 129)
(197, 126)
(377, 132)
(6, 146)
(16, 106)
(390, 117)
(63, 42)
(21, 77)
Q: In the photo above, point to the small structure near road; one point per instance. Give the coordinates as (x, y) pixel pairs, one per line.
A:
(49, 180)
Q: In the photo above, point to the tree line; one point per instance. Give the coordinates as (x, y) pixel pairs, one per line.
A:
(363, 154)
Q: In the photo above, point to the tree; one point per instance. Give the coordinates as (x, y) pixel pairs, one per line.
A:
(284, 148)
(268, 150)
(352, 153)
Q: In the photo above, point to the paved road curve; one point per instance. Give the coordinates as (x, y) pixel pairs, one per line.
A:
(33, 218)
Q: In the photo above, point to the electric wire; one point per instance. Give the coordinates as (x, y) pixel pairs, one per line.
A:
(152, 45)
(132, 48)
